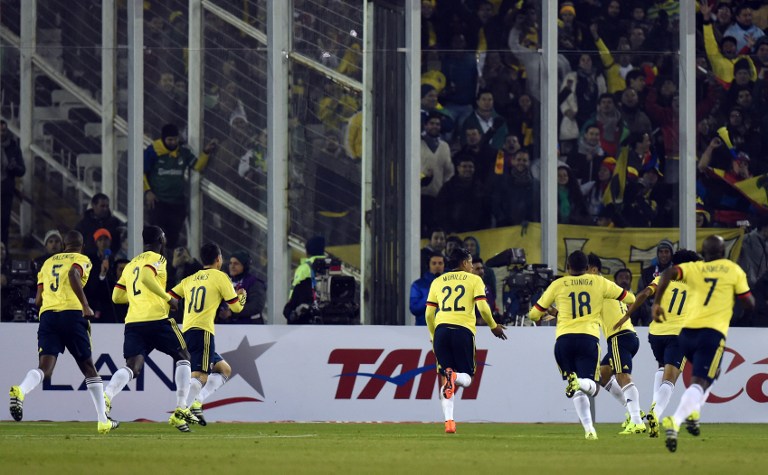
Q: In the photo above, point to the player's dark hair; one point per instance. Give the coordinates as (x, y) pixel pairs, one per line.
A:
(577, 262)
(73, 239)
(151, 234)
(458, 255)
(209, 253)
(685, 255)
(594, 261)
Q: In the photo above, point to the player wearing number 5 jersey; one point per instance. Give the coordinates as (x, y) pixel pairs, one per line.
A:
(451, 319)
(147, 325)
(203, 292)
(579, 299)
(663, 337)
(63, 304)
(713, 284)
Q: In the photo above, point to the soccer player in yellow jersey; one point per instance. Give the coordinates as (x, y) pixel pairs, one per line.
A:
(147, 325)
(663, 338)
(63, 305)
(203, 292)
(450, 317)
(579, 297)
(713, 282)
(616, 366)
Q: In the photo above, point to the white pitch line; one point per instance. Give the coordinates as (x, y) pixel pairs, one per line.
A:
(154, 436)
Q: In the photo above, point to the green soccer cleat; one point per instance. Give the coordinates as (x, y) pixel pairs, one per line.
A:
(179, 423)
(197, 410)
(627, 420)
(186, 415)
(653, 423)
(590, 436)
(108, 403)
(633, 429)
(692, 424)
(106, 427)
(573, 385)
(668, 424)
(17, 403)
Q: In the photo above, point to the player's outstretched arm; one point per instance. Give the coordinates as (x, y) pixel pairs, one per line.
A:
(238, 303)
(639, 301)
(665, 278)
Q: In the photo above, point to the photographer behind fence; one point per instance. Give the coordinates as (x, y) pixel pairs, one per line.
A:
(320, 294)
(523, 284)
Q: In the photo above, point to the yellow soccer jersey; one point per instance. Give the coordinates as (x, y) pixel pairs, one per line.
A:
(579, 300)
(202, 292)
(613, 311)
(676, 302)
(713, 284)
(454, 295)
(54, 279)
(144, 305)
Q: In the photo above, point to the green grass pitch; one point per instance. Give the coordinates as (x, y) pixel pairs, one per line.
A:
(287, 448)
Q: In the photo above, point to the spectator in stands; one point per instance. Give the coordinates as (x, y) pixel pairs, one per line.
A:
(429, 104)
(98, 290)
(613, 129)
(523, 42)
(12, 167)
(452, 242)
(96, 217)
(754, 260)
(611, 24)
(482, 154)
(723, 19)
(637, 121)
(53, 243)
(569, 33)
(570, 202)
(420, 287)
(164, 106)
(478, 268)
(523, 121)
(515, 194)
(437, 243)
(639, 150)
(183, 265)
(667, 117)
(586, 158)
(436, 169)
(462, 201)
(242, 278)
(503, 80)
(664, 251)
(165, 162)
(584, 88)
(743, 30)
(594, 190)
(651, 204)
(722, 57)
(761, 56)
(460, 68)
(616, 69)
(487, 119)
(743, 137)
(226, 109)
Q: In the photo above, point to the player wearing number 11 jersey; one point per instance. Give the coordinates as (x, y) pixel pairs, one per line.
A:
(203, 292)
(450, 317)
(579, 299)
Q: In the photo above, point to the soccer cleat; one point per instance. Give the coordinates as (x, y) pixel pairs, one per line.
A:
(573, 385)
(653, 423)
(17, 403)
(197, 409)
(179, 423)
(668, 424)
(590, 436)
(106, 427)
(108, 403)
(450, 383)
(627, 420)
(692, 424)
(633, 429)
(450, 427)
(186, 415)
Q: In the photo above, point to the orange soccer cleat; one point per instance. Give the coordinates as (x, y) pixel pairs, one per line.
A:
(449, 387)
(450, 427)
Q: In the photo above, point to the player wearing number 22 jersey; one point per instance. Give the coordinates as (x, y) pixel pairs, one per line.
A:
(579, 299)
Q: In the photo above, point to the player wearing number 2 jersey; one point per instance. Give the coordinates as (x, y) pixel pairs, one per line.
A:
(451, 321)
(713, 284)
(147, 325)
(579, 299)
(203, 292)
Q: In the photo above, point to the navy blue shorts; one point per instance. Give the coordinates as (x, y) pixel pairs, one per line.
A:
(666, 350)
(704, 347)
(454, 348)
(622, 347)
(66, 329)
(162, 335)
(202, 349)
(578, 353)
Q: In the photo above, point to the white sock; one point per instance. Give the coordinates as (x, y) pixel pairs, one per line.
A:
(121, 377)
(662, 396)
(447, 405)
(633, 402)
(463, 380)
(215, 381)
(588, 386)
(691, 401)
(658, 377)
(181, 377)
(96, 389)
(581, 403)
(194, 389)
(705, 397)
(615, 390)
(33, 378)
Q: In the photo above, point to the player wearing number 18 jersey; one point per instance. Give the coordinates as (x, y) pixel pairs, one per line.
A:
(579, 299)
(713, 284)
(203, 292)
(451, 322)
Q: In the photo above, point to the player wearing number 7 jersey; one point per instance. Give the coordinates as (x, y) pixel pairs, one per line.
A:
(713, 284)
(147, 325)
(203, 292)
(579, 299)
(451, 303)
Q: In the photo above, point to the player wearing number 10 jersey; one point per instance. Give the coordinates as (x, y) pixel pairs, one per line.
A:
(203, 292)
(450, 317)
(579, 298)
